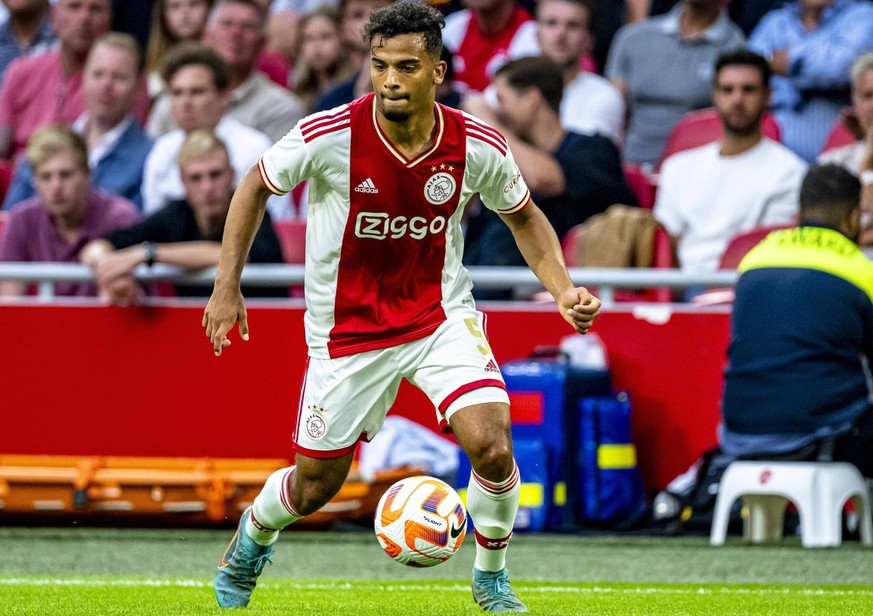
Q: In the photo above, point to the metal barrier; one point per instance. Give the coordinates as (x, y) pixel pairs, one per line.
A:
(520, 278)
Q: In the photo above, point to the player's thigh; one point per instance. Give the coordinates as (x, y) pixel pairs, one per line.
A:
(455, 367)
(344, 400)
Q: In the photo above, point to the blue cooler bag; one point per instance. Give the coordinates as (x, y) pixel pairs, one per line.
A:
(543, 395)
(609, 482)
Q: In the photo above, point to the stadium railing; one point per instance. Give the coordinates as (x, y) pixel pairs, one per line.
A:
(44, 275)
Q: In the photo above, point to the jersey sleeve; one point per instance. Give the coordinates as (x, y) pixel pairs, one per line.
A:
(287, 163)
(497, 178)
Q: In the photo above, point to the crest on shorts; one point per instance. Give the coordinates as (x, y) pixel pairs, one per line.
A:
(316, 426)
(439, 188)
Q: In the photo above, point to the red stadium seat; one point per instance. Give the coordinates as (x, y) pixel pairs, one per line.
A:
(839, 136)
(292, 238)
(642, 185)
(662, 258)
(697, 128)
(275, 66)
(743, 243)
(736, 249)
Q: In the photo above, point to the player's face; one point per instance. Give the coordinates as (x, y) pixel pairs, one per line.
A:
(515, 108)
(740, 97)
(110, 83)
(563, 31)
(404, 75)
(208, 183)
(62, 185)
(195, 102)
(862, 100)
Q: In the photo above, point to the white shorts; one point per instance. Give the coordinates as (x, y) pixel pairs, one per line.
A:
(345, 399)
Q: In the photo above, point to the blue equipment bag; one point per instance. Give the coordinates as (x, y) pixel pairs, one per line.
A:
(609, 482)
(544, 395)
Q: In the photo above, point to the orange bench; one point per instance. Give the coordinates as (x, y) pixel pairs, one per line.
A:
(211, 490)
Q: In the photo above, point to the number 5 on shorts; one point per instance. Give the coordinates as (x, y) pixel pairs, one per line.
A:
(473, 326)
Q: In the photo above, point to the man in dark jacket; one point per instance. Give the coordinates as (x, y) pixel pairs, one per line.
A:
(186, 233)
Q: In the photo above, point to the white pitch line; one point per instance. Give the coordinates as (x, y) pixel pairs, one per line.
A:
(98, 583)
(590, 590)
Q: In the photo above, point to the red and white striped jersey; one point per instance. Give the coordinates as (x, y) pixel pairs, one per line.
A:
(383, 236)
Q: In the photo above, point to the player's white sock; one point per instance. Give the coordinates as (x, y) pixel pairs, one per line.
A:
(493, 507)
(272, 510)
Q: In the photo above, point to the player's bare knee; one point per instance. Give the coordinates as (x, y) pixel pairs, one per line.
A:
(493, 461)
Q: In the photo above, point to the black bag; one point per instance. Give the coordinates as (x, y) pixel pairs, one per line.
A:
(697, 506)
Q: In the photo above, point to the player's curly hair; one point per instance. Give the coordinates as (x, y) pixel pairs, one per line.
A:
(408, 17)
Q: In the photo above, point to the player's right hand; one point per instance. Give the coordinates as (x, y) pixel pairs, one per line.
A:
(223, 310)
(579, 308)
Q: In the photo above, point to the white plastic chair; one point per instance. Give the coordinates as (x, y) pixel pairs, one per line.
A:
(819, 490)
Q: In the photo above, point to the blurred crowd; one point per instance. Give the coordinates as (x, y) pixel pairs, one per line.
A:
(125, 124)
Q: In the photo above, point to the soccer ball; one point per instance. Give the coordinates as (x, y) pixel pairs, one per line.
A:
(420, 521)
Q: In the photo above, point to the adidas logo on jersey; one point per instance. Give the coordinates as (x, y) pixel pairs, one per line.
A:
(491, 366)
(367, 186)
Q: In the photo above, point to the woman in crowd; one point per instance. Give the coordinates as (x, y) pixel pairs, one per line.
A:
(173, 21)
(322, 58)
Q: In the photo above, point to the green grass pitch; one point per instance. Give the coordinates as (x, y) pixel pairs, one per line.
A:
(83, 571)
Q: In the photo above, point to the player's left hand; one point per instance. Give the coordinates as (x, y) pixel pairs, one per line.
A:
(224, 309)
(579, 308)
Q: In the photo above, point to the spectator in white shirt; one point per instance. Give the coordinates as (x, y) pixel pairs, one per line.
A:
(591, 104)
(197, 83)
(235, 29)
(709, 194)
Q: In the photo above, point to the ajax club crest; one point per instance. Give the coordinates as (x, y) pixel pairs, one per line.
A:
(316, 427)
(439, 188)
